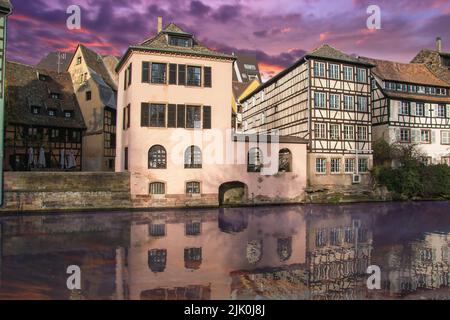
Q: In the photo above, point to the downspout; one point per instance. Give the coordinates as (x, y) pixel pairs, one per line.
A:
(308, 165)
(2, 107)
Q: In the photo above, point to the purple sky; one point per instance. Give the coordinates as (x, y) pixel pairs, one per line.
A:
(278, 31)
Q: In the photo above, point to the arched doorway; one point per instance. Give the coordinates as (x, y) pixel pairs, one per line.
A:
(232, 193)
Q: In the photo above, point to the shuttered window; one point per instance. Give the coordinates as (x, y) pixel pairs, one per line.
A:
(181, 74)
(193, 117)
(172, 74)
(130, 71)
(206, 117)
(126, 158)
(172, 116)
(208, 76)
(181, 116)
(145, 72)
(145, 114)
(157, 115)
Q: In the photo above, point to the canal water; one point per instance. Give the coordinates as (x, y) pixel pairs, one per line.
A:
(293, 252)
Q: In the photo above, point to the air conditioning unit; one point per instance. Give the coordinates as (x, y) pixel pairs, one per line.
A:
(356, 178)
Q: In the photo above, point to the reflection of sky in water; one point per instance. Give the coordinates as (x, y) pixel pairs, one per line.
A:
(304, 252)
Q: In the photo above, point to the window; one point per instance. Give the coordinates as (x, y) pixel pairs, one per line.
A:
(193, 187)
(334, 71)
(405, 135)
(181, 75)
(157, 157)
(130, 77)
(349, 132)
(74, 136)
(349, 165)
(193, 228)
(193, 117)
(348, 73)
(445, 137)
(335, 165)
(446, 160)
(193, 158)
(321, 238)
(254, 162)
(362, 133)
(180, 42)
(321, 165)
(427, 161)
(420, 109)
(319, 99)
(145, 72)
(157, 229)
(361, 75)
(208, 77)
(157, 188)
(194, 76)
(349, 103)
(55, 96)
(157, 260)
(404, 108)
(319, 69)
(172, 73)
(88, 95)
(425, 136)
(35, 110)
(362, 104)
(335, 236)
(363, 165)
(159, 72)
(320, 130)
(334, 132)
(126, 116)
(250, 67)
(68, 114)
(285, 160)
(157, 115)
(192, 258)
(52, 112)
(206, 117)
(441, 111)
(78, 60)
(54, 135)
(334, 101)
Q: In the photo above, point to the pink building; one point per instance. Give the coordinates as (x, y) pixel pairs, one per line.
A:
(174, 136)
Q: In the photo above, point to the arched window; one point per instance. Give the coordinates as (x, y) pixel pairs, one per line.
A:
(157, 157)
(254, 162)
(193, 158)
(285, 160)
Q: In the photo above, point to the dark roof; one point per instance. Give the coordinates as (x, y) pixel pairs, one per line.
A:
(5, 6)
(239, 88)
(159, 43)
(405, 72)
(242, 59)
(51, 60)
(24, 89)
(433, 61)
(95, 62)
(325, 52)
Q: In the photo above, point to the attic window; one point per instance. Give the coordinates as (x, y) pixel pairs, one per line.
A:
(249, 67)
(180, 42)
(446, 62)
(52, 112)
(42, 77)
(79, 60)
(35, 110)
(68, 114)
(55, 96)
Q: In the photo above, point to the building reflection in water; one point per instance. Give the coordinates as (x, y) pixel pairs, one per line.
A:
(303, 252)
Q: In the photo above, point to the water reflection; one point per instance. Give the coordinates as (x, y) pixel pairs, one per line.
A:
(304, 252)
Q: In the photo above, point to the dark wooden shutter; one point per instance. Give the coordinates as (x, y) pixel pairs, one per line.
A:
(145, 72)
(181, 74)
(124, 118)
(172, 116)
(126, 159)
(128, 115)
(180, 116)
(125, 81)
(206, 117)
(145, 114)
(208, 76)
(172, 74)
(130, 68)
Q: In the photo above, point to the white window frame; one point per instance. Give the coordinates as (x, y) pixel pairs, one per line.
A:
(359, 73)
(335, 166)
(445, 137)
(335, 133)
(349, 132)
(320, 131)
(319, 69)
(320, 97)
(334, 101)
(351, 100)
(348, 73)
(321, 165)
(363, 133)
(350, 165)
(334, 71)
(365, 104)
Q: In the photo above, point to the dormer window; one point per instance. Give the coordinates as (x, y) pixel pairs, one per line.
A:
(55, 96)
(180, 41)
(35, 110)
(68, 114)
(42, 77)
(52, 112)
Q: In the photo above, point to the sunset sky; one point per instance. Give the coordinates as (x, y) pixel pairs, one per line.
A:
(279, 32)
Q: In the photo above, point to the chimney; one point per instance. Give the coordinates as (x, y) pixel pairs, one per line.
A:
(159, 24)
(438, 44)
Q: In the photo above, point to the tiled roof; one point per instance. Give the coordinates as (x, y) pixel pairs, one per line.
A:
(405, 72)
(24, 89)
(5, 6)
(95, 62)
(51, 60)
(433, 61)
(326, 51)
(159, 43)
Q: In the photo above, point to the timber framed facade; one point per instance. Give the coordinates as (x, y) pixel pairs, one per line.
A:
(324, 98)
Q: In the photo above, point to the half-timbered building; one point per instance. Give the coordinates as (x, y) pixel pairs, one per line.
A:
(411, 106)
(43, 123)
(324, 98)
